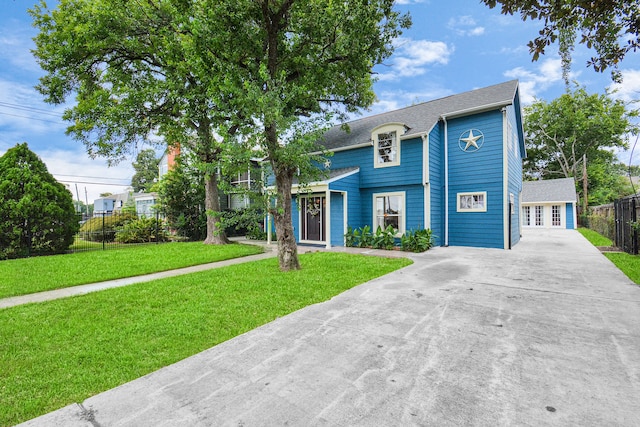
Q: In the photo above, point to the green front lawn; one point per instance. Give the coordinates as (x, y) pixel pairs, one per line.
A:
(29, 275)
(628, 264)
(64, 351)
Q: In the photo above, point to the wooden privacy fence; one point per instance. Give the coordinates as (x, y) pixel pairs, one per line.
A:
(627, 213)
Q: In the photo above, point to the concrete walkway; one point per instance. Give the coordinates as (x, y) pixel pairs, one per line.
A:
(545, 334)
(93, 287)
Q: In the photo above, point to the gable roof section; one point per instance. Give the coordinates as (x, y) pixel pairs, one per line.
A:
(421, 118)
(551, 190)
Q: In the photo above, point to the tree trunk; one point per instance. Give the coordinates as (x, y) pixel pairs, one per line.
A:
(215, 234)
(287, 248)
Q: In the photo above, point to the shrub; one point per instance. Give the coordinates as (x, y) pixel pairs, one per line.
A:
(417, 241)
(384, 239)
(143, 230)
(412, 241)
(103, 229)
(37, 215)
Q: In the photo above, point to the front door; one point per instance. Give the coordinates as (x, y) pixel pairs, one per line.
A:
(313, 218)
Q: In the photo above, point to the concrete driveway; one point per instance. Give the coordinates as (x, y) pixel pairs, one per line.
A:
(545, 334)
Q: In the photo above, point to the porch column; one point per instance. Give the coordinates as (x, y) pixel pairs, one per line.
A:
(327, 216)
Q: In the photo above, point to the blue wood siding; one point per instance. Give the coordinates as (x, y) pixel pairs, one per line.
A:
(436, 183)
(414, 204)
(478, 171)
(337, 220)
(351, 185)
(514, 157)
(571, 221)
(408, 172)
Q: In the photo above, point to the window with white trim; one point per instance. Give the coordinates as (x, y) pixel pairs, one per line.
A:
(526, 215)
(387, 148)
(539, 215)
(556, 219)
(389, 210)
(472, 202)
(386, 144)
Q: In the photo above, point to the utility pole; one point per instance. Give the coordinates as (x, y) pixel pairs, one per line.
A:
(585, 182)
(78, 209)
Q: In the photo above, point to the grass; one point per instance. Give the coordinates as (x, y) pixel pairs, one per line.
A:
(594, 237)
(95, 342)
(628, 264)
(29, 275)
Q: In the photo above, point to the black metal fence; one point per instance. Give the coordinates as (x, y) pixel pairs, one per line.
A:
(110, 230)
(627, 226)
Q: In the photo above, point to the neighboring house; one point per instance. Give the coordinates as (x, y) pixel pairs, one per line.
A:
(230, 200)
(168, 160)
(145, 204)
(453, 165)
(549, 203)
(103, 205)
(116, 202)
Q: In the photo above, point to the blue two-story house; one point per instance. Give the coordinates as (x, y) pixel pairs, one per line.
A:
(453, 165)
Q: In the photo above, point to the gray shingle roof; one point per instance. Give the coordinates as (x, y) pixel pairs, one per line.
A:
(421, 117)
(335, 173)
(551, 190)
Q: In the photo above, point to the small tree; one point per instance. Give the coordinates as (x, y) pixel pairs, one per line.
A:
(146, 167)
(182, 198)
(37, 215)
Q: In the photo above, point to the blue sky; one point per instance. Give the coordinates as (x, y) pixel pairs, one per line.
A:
(453, 46)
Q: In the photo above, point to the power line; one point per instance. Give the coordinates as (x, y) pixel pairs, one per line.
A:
(91, 177)
(94, 183)
(29, 108)
(30, 118)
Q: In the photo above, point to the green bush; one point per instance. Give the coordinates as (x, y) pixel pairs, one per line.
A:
(143, 230)
(99, 229)
(384, 239)
(412, 241)
(37, 214)
(417, 241)
(603, 225)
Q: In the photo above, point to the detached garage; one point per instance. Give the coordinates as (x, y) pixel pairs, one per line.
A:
(549, 204)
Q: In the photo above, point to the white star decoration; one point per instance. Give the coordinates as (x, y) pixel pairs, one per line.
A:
(471, 140)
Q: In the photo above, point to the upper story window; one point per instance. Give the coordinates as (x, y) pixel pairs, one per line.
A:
(387, 147)
(386, 140)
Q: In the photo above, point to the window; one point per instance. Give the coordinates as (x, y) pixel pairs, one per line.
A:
(388, 210)
(555, 216)
(387, 148)
(539, 213)
(386, 144)
(472, 202)
(526, 215)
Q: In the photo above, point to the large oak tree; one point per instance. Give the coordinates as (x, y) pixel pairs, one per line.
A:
(562, 133)
(299, 62)
(134, 74)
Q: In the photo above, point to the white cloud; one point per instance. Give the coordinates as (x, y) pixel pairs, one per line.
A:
(413, 56)
(15, 49)
(548, 73)
(629, 89)
(465, 26)
(394, 100)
